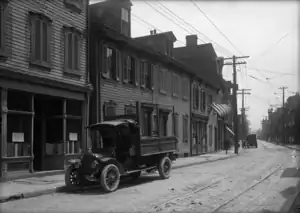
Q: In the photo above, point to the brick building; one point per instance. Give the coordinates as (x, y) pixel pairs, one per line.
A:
(43, 82)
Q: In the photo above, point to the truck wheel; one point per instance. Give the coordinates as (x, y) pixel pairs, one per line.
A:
(71, 178)
(135, 175)
(164, 167)
(110, 178)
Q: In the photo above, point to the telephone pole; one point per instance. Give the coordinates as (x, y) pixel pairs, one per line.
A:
(283, 123)
(243, 114)
(234, 104)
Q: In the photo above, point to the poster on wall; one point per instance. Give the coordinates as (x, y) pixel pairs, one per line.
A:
(73, 136)
(18, 137)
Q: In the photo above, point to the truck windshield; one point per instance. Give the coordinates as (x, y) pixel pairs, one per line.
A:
(102, 137)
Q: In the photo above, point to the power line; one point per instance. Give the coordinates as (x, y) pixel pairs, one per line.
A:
(215, 26)
(191, 26)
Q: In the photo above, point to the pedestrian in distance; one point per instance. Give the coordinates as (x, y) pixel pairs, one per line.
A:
(227, 145)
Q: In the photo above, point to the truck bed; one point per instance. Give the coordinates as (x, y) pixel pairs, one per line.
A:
(157, 145)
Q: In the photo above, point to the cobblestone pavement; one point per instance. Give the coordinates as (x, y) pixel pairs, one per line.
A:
(261, 180)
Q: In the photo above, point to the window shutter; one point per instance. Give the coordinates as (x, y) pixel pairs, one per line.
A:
(76, 52)
(118, 64)
(66, 50)
(142, 73)
(125, 68)
(104, 67)
(49, 40)
(33, 30)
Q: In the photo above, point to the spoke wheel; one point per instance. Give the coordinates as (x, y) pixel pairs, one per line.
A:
(165, 167)
(110, 178)
(72, 178)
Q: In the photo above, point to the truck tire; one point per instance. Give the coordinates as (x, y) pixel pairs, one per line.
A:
(71, 178)
(110, 178)
(164, 167)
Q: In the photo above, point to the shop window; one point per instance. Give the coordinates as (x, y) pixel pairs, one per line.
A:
(54, 137)
(18, 135)
(73, 143)
(74, 107)
(19, 101)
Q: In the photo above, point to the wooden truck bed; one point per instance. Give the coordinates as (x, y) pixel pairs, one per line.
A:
(157, 145)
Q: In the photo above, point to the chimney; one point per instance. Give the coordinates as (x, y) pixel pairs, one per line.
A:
(191, 40)
(151, 32)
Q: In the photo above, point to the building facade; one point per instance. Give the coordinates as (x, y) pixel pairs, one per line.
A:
(207, 89)
(125, 70)
(44, 84)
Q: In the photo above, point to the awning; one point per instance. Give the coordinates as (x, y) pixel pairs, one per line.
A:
(221, 109)
(229, 130)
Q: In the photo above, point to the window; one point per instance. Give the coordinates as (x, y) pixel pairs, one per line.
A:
(110, 108)
(40, 39)
(110, 66)
(203, 99)
(129, 75)
(185, 89)
(168, 48)
(125, 22)
(185, 128)
(209, 102)
(162, 74)
(130, 109)
(146, 75)
(196, 96)
(2, 26)
(175, 85)
(72, 55)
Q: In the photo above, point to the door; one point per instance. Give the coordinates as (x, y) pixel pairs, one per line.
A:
(38, 144)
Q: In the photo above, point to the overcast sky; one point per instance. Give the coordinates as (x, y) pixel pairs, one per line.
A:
(267, 31)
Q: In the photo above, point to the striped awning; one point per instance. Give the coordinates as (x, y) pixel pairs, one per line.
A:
(221, 109)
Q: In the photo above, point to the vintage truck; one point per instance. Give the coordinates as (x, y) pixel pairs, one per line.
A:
(118, 150)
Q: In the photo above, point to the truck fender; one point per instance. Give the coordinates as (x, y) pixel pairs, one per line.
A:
(108, 160)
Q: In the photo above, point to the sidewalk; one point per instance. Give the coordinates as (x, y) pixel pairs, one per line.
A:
(290, 146)
(37, 186)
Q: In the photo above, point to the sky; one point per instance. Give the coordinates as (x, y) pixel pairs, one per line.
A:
(267, 31)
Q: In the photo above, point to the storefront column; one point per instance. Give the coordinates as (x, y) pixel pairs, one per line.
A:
(3, 148)
(64, 129)
(32, 133)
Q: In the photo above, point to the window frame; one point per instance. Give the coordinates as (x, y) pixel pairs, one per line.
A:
(108, 74)
(75, 63)
(34, 17)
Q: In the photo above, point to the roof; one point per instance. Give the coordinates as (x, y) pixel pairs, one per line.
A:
(169, 34)
(202, 60)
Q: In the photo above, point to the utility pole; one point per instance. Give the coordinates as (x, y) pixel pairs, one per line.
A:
(283, 123)
(234, 93)
(243, 114)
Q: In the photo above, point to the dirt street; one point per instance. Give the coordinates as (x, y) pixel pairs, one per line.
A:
(260, 180)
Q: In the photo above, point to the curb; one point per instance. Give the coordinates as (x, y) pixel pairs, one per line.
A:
(38, 193)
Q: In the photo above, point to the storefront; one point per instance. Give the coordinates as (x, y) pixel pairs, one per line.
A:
(199, 134)
(41, 127)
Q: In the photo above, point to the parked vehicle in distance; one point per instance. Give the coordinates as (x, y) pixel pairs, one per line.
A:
(251, 141)
(119, 150)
